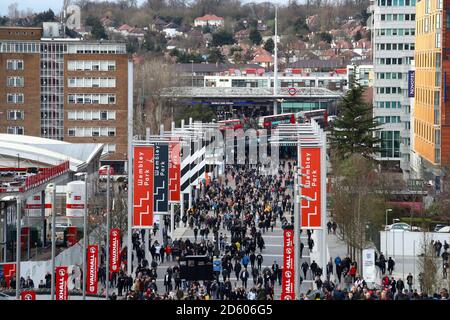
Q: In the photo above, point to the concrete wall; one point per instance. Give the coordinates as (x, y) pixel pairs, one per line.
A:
(407, 243)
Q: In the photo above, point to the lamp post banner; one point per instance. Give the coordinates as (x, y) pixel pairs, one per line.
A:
(161, 178)
(174, 172)
(311, 210)
(61, 283)
(114, 250)
(7, 271)
(92, 270)
(288, 288)
(143, 171)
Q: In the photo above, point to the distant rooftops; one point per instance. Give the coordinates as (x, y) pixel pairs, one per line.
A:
(209, 17)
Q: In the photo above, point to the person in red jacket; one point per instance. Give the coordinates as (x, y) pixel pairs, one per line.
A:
(168, 251)
(353, 272)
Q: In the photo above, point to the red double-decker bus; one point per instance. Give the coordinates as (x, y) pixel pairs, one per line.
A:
(269, 122)
(233, 124)
(319, 115)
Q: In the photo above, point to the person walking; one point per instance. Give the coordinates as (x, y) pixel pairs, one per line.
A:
(244, 277)
(391, 264)
(305, 268)
(259, 261)
(409, 281)
(237, 269)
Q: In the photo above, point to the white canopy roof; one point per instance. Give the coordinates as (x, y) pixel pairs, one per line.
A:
(47, 152)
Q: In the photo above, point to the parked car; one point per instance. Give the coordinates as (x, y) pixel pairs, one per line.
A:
(439, 227)
(401, 226)
(444, 229)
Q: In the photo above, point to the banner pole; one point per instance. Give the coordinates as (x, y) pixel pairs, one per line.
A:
(130, 167)
(172, 219)
(18, 245)
(297, 217)
(85, 235)
(53, 235)
(108, 195)
(323, 205)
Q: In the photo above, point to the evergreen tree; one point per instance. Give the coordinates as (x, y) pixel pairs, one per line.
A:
(222, 37)
(255, 37)
(98, 31)
(269, 45)
(354, 130)
(215, 56)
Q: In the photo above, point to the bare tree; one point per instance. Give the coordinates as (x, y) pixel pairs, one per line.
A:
(428, 267)
(152, 109)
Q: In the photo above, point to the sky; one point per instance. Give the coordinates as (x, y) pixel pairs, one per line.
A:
(56, 5)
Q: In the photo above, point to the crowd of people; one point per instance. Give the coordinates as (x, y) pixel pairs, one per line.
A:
(229, 221)
(247, 211)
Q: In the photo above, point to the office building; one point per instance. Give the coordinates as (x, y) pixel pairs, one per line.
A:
(432, 109)
(393, 33)
(65, 89)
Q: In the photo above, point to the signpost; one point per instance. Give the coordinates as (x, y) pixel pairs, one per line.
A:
(369, 271)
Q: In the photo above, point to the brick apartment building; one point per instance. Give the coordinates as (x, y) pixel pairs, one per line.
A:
(64, 88)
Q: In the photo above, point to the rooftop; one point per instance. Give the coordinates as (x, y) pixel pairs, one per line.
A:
(46, 152)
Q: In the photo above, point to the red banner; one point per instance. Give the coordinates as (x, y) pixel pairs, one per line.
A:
(71, 236)
(311, 210)
(7, 270)
(143, 186)
(62, 290)
(114, 250)
(174, 172)
(92, 270)
(288, 288)
(28, 295)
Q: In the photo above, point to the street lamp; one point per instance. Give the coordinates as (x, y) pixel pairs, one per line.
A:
(51, 190)
(386, 231)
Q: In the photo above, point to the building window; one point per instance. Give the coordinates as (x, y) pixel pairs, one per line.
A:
(91, 65)
(109, 148)
(15, 98)
(15, 130)
(15, 114)
(14, 64)
(15, 81)
(390, 144)
(438, 40)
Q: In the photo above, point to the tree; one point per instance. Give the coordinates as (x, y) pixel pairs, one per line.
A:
(357, 205)
(197, 113)
(206, 29)
(154, 41)
(98, 31)
(215, 56)
(354, 129)
(300, 27)
(428, 267)
(255, 37)
(269, 45)
(152, 108)
(222, 37)
(357, 36)
(325, 36)
(45, 16)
